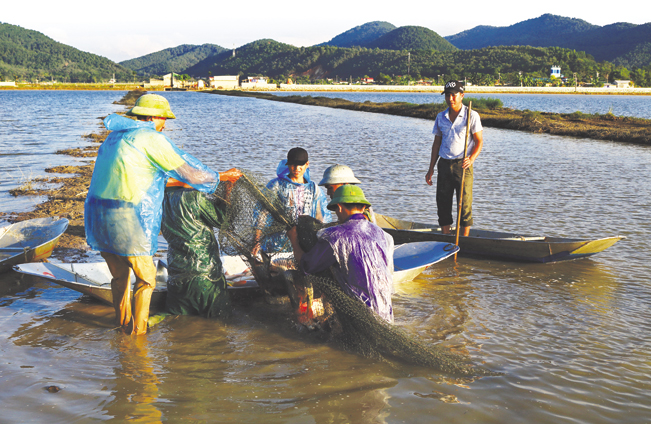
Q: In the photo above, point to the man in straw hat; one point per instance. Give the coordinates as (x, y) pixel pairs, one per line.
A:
(359, 252)
(448, 150)
(124, 203)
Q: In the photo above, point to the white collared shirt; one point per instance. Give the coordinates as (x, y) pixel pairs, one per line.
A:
(453, 134)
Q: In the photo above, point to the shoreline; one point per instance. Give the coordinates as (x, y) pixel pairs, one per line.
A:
(289, 88)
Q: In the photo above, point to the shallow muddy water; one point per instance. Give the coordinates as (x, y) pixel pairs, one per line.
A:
(571, 338)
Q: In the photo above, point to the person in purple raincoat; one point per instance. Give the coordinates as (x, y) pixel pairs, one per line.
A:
(359, 252)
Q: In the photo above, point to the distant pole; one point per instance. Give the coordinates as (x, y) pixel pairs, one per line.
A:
(575, 82)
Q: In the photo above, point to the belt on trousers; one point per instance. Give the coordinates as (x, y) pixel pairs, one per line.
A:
(452, 160)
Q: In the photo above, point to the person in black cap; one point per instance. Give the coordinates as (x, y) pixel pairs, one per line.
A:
(299, 193)
(448, 150)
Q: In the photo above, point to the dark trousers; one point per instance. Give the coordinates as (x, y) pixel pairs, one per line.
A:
(447, 183)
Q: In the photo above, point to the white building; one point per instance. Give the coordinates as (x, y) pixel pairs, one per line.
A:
(556, 72)
(225, 82)
(168, 82)
(258, 83)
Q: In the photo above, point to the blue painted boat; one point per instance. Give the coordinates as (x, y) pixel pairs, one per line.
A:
(410, 259)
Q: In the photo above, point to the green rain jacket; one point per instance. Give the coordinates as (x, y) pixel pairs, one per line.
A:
(196, 284)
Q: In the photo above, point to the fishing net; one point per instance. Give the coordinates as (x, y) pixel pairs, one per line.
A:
(255, 215)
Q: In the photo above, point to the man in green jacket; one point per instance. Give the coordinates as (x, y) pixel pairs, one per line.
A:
(196, 284)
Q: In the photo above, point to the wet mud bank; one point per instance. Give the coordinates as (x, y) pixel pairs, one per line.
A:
(576, 124)
(66, 192)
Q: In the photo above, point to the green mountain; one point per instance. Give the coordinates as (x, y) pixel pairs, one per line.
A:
(412, 38)
(172, 59)
(258, 57)
(617, 43)
(637, 57)
(545, 31)
(614, 43)
(279, 61)
(29, 54)
(361, 35)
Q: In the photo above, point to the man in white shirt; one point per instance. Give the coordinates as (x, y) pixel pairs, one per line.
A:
(448, 150)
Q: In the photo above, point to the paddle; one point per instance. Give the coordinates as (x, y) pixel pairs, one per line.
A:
(465, 153)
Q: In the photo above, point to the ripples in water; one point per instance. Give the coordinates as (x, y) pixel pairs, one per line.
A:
(571, 338)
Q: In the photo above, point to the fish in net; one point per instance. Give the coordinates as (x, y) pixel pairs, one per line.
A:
(255, 215)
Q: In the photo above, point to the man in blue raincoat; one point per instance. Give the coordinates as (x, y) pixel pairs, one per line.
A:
(299, 194)
(124, 203)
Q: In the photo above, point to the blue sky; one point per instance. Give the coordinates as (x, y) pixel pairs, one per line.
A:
(122, 30)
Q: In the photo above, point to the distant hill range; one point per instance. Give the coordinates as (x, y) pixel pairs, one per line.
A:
(25, 53)
(412, 38)
(620, 43)
(383, 35)
(339, 56)
(263, 57)
(370, 49)
(361, 35)
(174, 59)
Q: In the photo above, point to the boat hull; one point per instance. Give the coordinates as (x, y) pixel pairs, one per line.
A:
(493, 244)
(29, 241)
(94, 279)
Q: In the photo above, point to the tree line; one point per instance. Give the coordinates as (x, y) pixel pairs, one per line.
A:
(508, 65)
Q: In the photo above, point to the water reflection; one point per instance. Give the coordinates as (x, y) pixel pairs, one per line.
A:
(135, 387)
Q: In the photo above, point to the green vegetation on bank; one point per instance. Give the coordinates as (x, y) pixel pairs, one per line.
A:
(493, 114)
(27, 54)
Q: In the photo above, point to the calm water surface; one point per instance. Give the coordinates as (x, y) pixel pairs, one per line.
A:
(571, 338)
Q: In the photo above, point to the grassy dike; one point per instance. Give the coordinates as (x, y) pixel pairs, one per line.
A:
(577, 124)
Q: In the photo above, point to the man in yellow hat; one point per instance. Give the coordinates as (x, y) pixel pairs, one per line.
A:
(359, 252)
(124, 203)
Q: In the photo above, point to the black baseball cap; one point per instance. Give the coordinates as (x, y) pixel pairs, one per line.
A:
(453, 87)
(297, 156)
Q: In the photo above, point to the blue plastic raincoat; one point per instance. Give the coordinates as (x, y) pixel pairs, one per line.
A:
(299, 199)
(124, 204)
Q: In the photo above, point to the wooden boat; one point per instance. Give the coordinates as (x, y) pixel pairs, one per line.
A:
(508, 246)
(29, 241)
(94, 279)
